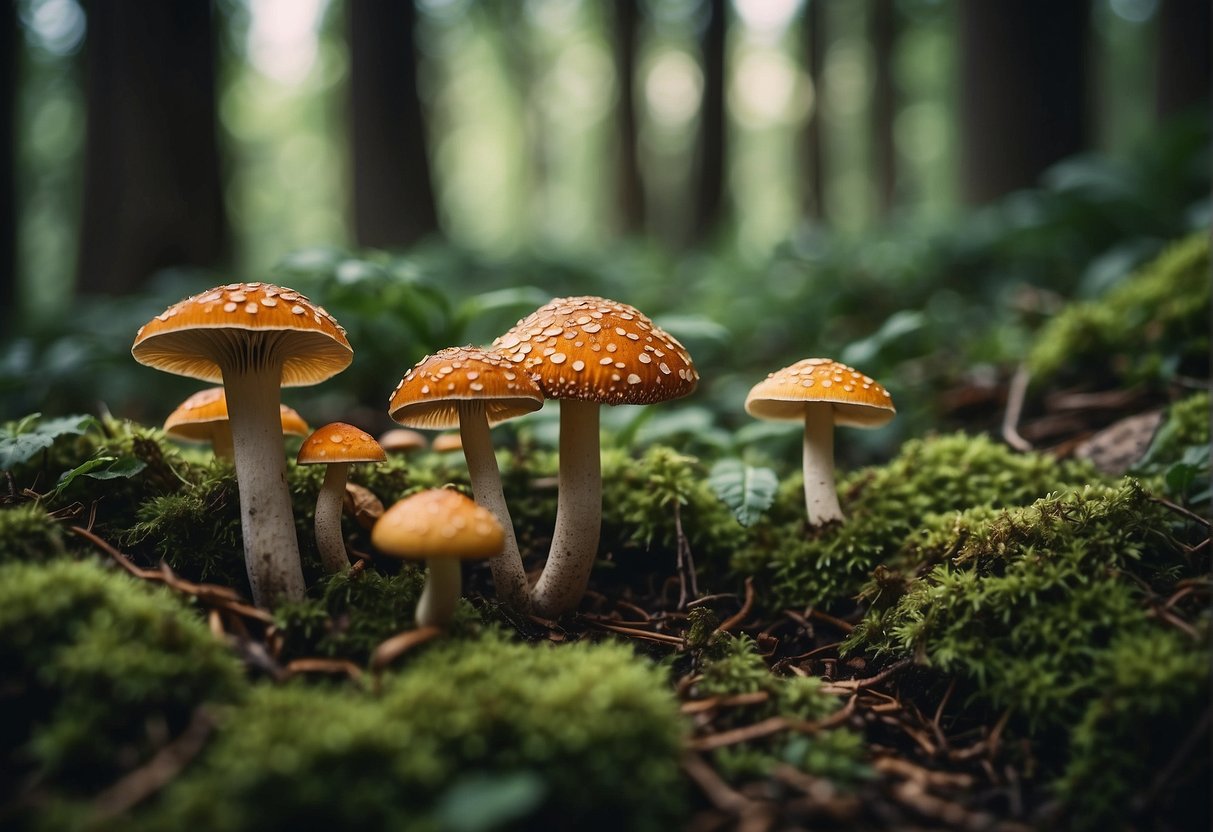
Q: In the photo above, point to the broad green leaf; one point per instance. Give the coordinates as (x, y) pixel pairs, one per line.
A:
(483, 802)
(32, 435)
(746, 490)
(102, 468)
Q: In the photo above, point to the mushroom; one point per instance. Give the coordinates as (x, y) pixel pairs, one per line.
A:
(471, 389)
(821, 393)
(402, 441)
(336, 445)
(444, 527)
(445, 443)
(254, 338)
(203, 418)
(587, 352)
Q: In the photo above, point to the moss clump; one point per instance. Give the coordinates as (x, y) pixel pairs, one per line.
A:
(99, 672)
(1153, 325)
(578, 736)
(1187, 426)
(927, 482)
(837, 754)
(28, 534)
(357, 612)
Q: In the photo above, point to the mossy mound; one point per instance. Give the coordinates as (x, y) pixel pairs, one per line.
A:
(99, 671)
(924, 485)
(1038, 608)
(1153, 325)
(521, 736)
(28, 534)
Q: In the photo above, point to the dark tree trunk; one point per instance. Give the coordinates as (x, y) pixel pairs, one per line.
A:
(1023, 67)
(393, 192)
(152, 185)
(8, 161)
(1184, 67)
(813, 174)
(883, 35)
(630, 183)
(710, 176)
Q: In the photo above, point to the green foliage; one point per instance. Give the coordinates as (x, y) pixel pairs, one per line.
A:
(583, 736)
(928, 479)
(834, 753)
(1180, 452)
(1029, 599)
(29, 535)
(746, 490)
(99, 672)
(1149, 686)
(24, 439)
(1148, 328)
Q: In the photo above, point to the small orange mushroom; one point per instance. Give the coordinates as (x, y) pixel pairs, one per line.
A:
(336, 445)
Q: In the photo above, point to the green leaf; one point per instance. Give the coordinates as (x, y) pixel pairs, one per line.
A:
(483, 802)
(32, 435)
(746, 490)
(102, 468)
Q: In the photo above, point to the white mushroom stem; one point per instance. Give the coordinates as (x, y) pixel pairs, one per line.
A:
(329, 539)
(509, 578)
(578, 512)
(820, 495)
(271, 550)
(440, 597)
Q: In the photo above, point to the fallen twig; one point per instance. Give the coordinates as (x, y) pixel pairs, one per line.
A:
(1016, 394)
(739, 616)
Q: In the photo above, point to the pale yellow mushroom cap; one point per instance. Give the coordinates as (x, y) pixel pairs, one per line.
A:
(438, 523)
(858, 401)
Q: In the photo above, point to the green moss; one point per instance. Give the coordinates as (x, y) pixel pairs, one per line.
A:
(1151, 685)
(99, 672)
(582, 736)
(28, 534)
(1149, 327)
(837, 753)
(1027, 600)
(926, 483)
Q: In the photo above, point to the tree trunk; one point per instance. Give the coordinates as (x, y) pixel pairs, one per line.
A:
(8, 162)
(883, 34)
(152, 185)
(710, 176)
(630, 183)
(1023, 67)
(393, 193)
(813, 174)
(1184, 67)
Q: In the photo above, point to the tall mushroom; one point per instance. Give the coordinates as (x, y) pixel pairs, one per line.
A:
(471, 389)
(444, 527)
(337, 446)
(254, 338)
(203, 418)
(822, 393)
(589, 351)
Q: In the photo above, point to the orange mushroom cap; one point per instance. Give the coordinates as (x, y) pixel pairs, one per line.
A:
(402, 440)
(599, 350)
(858, 401)
(192, 336)
(438, 523)
(429, 394)
(339, 442)
(198, 417)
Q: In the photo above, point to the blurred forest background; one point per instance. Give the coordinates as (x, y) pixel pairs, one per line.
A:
(911, 186)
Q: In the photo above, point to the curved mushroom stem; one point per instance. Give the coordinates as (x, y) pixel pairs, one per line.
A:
(509, 578)
(578, 512)
(271, 550)
(329, 539)
(440, 597)
(820, 495)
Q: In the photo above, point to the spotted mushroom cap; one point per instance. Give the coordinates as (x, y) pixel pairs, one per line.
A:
(599, 350)
(198, 417)
(429, 394)
(858, 400)
(339, 442)
(438, 523)
(192, 337)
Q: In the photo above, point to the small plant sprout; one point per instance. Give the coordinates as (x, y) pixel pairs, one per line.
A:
(471, 389)
(587, 352)
(336, 445)
(254, 338)
(822, 393)
(203, 418)
(443, 527)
